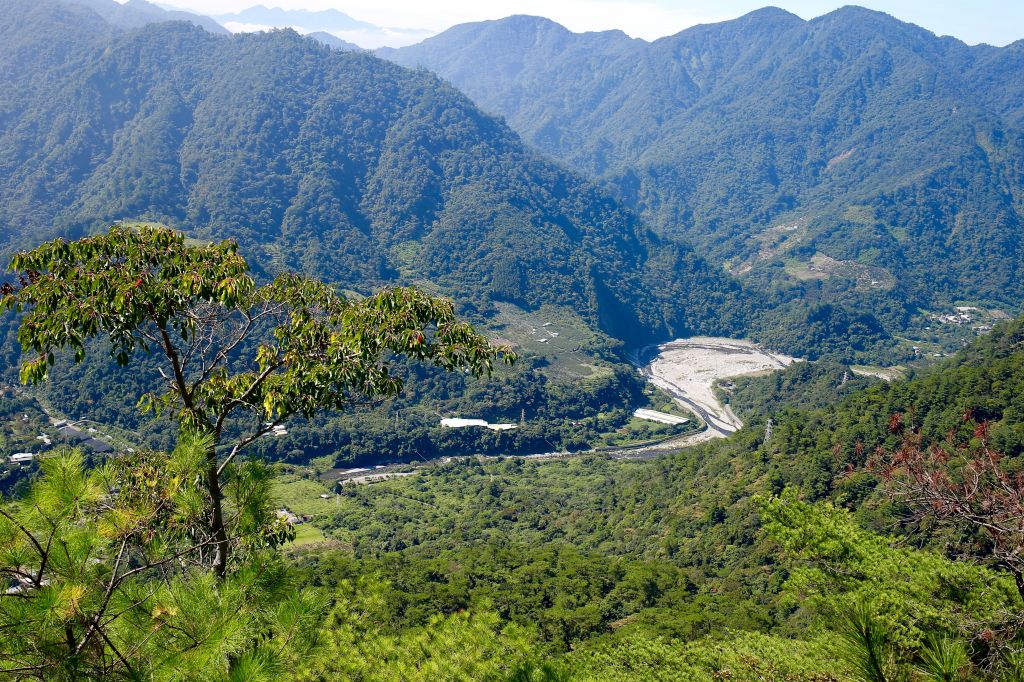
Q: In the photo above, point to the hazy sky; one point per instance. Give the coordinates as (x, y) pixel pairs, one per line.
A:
(997, 22)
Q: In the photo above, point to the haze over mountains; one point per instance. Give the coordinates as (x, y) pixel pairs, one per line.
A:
(848, 191)
(325, 20)
(137, 13)
(331, 22)
(852, 154)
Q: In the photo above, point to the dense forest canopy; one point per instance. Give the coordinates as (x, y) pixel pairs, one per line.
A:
(345, 167)
(335, 164)
(773, 554)
(650, 567)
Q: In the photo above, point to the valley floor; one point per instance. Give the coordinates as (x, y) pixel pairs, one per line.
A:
(689, 368)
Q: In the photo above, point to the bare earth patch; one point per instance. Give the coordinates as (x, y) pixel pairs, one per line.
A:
(823, 267)
(883, 373)
(689, 368)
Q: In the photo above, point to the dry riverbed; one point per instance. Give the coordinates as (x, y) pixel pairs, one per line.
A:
(688, 369)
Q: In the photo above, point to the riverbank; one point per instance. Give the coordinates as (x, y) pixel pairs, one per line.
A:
(688, 369)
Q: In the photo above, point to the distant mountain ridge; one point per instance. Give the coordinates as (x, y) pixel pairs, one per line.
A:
(333, 41)
(137, 13)
(331, 22)
(852, 157)
(337, 164)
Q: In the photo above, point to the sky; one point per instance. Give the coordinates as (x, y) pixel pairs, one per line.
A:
(997, 22)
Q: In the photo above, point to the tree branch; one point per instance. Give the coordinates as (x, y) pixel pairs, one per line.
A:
(179, 377)
(32, 538)
(246, 442)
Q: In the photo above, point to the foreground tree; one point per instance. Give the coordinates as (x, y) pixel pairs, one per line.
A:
(104, 579)
(230, 349)
(962, 484)
(892, 609)
(359, 643)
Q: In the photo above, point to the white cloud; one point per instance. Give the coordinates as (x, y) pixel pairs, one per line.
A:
(408, 18)
(369, 39)
(997, 21)
(385, 37)
(239, 27)
(642, 19)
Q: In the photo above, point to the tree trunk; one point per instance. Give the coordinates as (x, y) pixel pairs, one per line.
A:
(217, 529)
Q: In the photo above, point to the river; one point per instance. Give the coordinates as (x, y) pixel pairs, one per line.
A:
(687, 369)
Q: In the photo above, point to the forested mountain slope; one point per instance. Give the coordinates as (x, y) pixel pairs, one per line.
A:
(852, 155)
(334, 42)
(364, 174)
(666, 508)
(336, 164)
(677, 547)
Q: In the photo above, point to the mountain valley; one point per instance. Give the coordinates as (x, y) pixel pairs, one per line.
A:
(515, 354)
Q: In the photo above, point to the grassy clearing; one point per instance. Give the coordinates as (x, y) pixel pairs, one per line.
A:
(408, 257)
(307, 534)
(822, 267)
(558, 335)
(638, 431)
(302, 496)
(662, 402)
(803, 271)
(884, 373)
